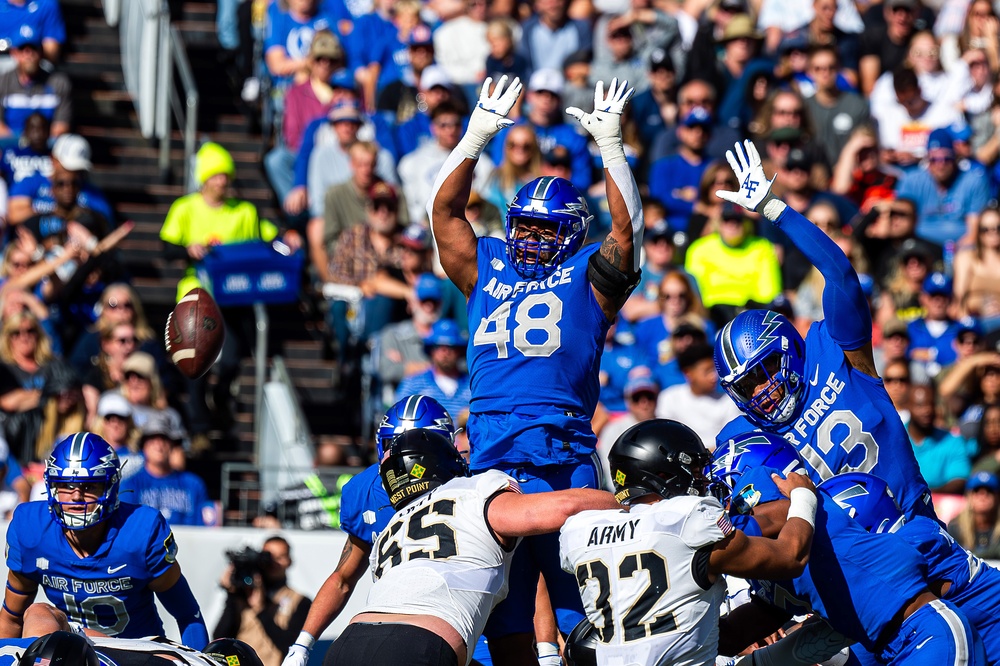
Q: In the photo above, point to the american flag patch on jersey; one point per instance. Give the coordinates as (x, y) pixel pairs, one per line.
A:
(724, 524)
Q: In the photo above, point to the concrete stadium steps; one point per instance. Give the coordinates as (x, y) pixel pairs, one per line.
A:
(127, 169)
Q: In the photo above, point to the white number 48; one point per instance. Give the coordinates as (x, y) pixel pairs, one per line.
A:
(493, 329)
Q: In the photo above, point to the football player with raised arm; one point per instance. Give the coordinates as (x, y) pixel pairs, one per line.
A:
(441, 565)
(870, 588)
(98, 560)
(540, 304)
(651, 575)
(364, 512)
(821, 393)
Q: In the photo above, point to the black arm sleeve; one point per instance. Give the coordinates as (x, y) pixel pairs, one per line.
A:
(283, 638)
(229, 624)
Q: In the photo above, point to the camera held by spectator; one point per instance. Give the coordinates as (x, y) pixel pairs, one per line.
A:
(261, 610)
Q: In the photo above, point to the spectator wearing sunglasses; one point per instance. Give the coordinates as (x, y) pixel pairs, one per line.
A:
(949, 196)
(67, 192)
(25, 373)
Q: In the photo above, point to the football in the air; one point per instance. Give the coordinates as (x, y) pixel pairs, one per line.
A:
(195, 333)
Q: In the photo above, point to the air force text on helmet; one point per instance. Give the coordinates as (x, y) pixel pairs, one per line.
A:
(501, 291)
(813, 414)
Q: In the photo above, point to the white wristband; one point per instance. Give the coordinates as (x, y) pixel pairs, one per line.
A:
(548, 649)
(38, 254)
(772, 207)
(803, 505)
(306, 640)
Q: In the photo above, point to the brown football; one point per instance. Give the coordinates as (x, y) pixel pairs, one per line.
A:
(195, 333)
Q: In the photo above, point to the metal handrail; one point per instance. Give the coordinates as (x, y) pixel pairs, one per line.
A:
(186, 116)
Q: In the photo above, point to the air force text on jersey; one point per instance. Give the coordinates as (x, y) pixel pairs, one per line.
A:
(812, 415)
(501, 291)
(73, 585)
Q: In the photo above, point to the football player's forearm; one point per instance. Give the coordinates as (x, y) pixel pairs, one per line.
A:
(845, 306)
(626, 209)
(327, 605)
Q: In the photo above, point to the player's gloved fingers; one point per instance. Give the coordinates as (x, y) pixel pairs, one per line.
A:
(731, 158)
(733, 197)
(742, 157)
(627, 96)
(576, 113)
(484, 94)
(752, 150)
(504, 122)
(599, 94)
(510, 95)
(500, 84)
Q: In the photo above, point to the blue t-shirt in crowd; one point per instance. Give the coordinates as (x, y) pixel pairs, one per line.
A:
(19, 163)
(941, 213)
(180, 496)
(38, 188)
(41, 17)
(674, 182)
(943, 457)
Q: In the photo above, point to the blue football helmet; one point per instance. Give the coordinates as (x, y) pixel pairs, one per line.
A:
(760, 358)
(415, 411)
(867, 499)
(553, 201)
(746, 451)
(83, 458)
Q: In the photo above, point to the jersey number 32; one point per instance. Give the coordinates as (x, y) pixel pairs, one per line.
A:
(634, 628)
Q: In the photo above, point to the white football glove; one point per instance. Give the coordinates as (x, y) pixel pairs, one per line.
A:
(489, 116)
(755, 188)
(298, 655)
(605, 123)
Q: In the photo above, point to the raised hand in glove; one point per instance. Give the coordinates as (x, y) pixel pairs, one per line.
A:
(755, 188)
(605, 123)
(490, 115)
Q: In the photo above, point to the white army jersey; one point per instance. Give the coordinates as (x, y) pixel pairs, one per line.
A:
(637, 578)
(437, 556)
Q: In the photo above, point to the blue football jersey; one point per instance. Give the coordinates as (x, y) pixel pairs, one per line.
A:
(536, 354)
(855, 580)
(107, 591)
(364, 506)
(975, 585)
(848, 424)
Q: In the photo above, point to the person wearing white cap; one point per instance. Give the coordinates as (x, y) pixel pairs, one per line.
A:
(67, 186)
(435, 88)
(545, 116)
(115, 425)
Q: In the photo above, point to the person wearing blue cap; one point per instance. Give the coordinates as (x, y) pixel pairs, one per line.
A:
(977, 528)
(446, 380)
(674, 179)
(932, 337)
(949, 195)
(28, 87)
